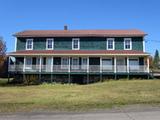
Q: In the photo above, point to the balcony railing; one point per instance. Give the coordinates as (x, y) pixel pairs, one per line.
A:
(78, 68)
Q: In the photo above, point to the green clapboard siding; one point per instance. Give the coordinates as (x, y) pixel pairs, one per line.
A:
(39, 43)
(21, 44)
(63, 43)
(86, 43)
(137, 43)
(119, 43)
(93, 43)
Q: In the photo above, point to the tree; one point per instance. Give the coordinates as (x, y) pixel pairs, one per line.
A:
(156, 60)
(2, 55)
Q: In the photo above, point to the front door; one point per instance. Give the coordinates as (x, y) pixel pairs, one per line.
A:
(121, 67)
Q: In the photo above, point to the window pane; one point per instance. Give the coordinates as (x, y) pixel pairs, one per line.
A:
(110, 44)
(29, 43)
(49, 43)
(127, 44)
(75, 44)
(28, 61)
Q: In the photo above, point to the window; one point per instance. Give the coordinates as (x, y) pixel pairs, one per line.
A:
(84, 63)
(127, 44)
(29, 44)
(110, 43)
(134, 64)
(64, 63)
(49, 44)
(107, 64)
(28, 61)
(75, 63)
(75, 44)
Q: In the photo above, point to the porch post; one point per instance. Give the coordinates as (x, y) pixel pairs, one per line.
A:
(52, 64)
(148, 64)
(24, 64)
(40, 63)
(115, 64)
(100, 64)
(69, 64)
(87, 64)
(69, 70)
(127, 64)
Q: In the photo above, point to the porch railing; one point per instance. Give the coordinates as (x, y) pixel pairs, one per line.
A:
(77, 68)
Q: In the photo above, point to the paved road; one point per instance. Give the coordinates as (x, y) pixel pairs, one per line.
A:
(100, 115)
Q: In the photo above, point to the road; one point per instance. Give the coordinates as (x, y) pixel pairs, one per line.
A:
(95, 115)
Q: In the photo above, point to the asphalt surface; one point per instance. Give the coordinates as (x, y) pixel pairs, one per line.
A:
(121, 114)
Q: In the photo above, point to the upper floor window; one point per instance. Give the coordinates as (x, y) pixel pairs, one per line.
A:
(75, 44)
(127, 43)
(29, 44)
(110, 43)
(49, 43)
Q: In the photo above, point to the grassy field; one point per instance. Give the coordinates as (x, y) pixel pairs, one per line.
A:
(78, 97)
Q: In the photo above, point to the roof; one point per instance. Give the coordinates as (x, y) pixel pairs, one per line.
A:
(77, 52)
(80, 33)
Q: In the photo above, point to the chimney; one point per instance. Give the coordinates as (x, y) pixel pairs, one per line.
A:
(65, 27)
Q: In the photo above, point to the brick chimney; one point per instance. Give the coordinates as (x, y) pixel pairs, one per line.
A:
(65, 27)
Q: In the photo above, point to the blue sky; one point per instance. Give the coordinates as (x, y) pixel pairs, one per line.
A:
(18, 15)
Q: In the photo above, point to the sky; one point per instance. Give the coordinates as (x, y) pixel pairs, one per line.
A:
(19, 15)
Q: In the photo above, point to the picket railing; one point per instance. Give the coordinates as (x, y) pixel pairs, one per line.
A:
(77, 68)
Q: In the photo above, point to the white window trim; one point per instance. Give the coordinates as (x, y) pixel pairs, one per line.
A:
(73, 43)
(31, 60)
(130, 59)
(130, 39)
(144, 45)
(75, 66)
(64, 66)
(27, 42)
(113, 44)
(83, 66)
(47, 44)
(15, 46)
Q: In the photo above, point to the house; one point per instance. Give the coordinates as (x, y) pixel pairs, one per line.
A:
(79, 56)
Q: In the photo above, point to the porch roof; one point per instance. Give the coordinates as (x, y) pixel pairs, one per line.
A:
(78, 52)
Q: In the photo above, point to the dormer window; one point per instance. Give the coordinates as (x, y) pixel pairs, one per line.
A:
(110, 43)
(127, 43)
(29, 44)
(49, 43)
(75, 44)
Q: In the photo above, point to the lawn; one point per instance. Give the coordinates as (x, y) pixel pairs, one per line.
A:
(78, 97)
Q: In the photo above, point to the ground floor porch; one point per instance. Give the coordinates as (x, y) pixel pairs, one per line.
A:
(78, 69)
(79, 64)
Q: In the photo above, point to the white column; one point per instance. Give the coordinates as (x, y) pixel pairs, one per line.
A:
(40, 64)
(100, 64)
(128, 64)
(115, 64)
(148, 64)
(51, 64)
(69, 65)
(87, 64)
(24, 64)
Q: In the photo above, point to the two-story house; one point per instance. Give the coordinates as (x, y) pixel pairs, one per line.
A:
(79, 56)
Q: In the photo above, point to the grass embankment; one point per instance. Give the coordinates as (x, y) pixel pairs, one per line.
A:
(79, 97)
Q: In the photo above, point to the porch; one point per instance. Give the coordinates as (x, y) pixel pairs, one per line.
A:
(79, 65)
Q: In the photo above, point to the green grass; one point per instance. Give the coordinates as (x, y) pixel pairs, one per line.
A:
(79, 97)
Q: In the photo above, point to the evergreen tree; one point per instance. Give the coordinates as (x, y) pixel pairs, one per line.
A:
(156, 60)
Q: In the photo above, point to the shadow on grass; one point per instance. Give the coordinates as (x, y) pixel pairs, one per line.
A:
(4, 83)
